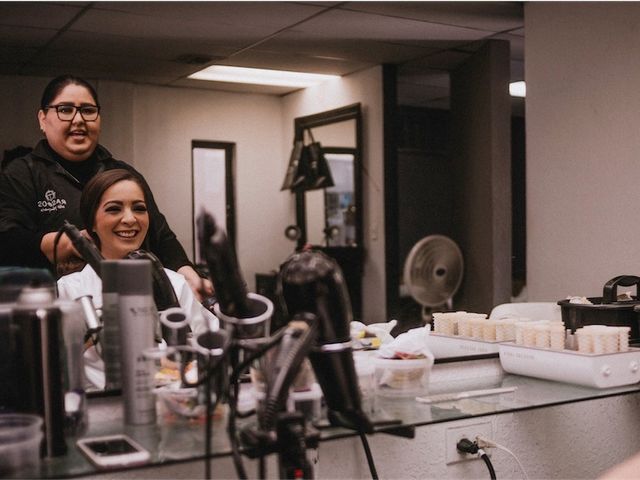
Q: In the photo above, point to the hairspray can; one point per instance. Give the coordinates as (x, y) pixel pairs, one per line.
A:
(110, 325)
(138, 316)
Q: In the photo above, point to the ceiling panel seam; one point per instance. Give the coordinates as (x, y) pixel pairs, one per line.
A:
(62, 30)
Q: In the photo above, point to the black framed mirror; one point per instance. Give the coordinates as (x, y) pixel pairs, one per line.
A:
(212, 181)
(330, 219)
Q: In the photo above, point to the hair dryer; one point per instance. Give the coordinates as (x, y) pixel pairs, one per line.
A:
(311, 283)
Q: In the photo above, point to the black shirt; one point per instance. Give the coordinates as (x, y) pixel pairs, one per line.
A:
(37, 195)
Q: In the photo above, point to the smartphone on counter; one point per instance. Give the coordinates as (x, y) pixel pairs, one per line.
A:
(113, 451)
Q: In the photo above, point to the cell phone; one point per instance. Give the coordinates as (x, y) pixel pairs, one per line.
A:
(113, 451)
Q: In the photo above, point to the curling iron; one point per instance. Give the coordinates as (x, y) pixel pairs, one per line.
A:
(173, 322)
(85, 247)
(215, 248)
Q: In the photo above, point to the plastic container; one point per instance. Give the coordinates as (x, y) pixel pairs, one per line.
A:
(182, 402)
(586, 369)
(606, 310)
(398, 378)
(366, 370)
(20, 438)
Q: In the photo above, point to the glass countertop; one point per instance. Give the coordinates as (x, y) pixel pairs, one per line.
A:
(179, 441)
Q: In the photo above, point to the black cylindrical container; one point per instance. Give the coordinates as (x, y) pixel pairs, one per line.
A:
(38, 360)
(606, 310)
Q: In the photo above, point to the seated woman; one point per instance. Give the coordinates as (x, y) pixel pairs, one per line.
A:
(114, 209)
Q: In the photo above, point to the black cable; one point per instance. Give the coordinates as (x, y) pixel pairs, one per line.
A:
(262, 468)
(367, 451)
(465, 445)
(56, 240)
(208, 426)
(233, 397)
(231, 431)
(486, 459)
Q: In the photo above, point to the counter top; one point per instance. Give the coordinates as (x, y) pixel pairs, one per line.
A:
(182, 441)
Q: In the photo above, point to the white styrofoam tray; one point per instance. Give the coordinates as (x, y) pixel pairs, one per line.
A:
(445, 346)
(586, 369)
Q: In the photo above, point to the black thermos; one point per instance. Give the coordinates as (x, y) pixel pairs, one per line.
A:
(38, 364)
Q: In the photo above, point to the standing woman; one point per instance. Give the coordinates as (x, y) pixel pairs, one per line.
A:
(42, 189)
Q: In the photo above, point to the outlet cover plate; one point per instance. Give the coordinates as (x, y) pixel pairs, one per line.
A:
(470, 431)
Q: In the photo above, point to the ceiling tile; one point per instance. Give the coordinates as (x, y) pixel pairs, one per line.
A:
(168, 29)
(487, 16)
(37, 14)
(351, 25)
(113, 65)
(296, 42)
(270, 16)
(15, 55)
(141, 41)
(25, 36)
(91, 42)
(299, 63)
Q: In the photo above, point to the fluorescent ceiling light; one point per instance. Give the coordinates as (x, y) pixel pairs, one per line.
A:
(517, 89)
(259, 76)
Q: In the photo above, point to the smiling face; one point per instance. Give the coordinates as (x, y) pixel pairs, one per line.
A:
(73, 140)
(121, 220)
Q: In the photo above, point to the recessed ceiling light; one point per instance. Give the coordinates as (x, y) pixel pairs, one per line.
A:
(259, 76)
(518, 89)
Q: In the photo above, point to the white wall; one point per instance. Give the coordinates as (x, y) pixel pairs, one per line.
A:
(19, 100)
(164, 123)
(583, 141)
(364, 87)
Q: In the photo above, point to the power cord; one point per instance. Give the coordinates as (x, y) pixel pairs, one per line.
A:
(465, 445)
(486, 443)
(370, 461)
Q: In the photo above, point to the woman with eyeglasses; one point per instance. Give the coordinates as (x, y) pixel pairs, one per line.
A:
(42, 189)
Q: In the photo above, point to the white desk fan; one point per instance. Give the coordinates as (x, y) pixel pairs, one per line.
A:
(433, 272)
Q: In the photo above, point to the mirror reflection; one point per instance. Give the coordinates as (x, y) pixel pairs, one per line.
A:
(330, 219)
(331, 212)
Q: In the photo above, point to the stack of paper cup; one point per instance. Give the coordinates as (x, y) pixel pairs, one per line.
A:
(623, 338)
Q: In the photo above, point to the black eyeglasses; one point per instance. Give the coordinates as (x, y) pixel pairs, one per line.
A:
(66, 113)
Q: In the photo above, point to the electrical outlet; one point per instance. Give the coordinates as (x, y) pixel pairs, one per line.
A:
(471, 431)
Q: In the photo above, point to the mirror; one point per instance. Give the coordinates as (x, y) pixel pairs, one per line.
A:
(339, 133)
(331, 218)
(331, 212)
(212, 184)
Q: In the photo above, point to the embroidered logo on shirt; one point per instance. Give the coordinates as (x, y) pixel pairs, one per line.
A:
(51, 203)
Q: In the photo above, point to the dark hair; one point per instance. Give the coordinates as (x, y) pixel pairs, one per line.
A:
(55, 86)
(94, 190)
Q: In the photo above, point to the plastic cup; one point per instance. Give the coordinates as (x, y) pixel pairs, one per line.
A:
(20, 438)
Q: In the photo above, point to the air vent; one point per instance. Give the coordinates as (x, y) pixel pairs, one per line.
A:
(195, 59)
